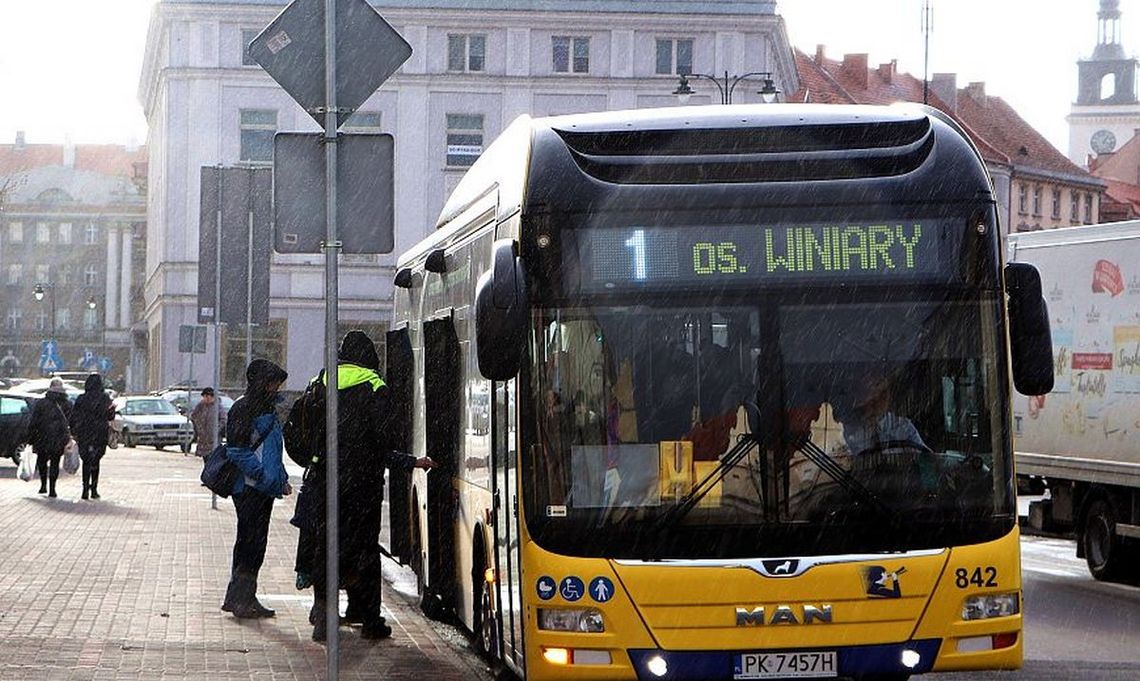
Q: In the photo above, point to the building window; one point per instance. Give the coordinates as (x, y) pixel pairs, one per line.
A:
(65, 232)
(16, 232)
(269, 342)
(43, 233)
(91, 234)
(1075, 208)
(464, 139)
(1022, 198)
(257, 129)
(1088, 208)
(247, 36)
(571, 54)
(1056, 204)
(363, 121)
(90, 318)
(43, 274)
(41, 320)
(466, 52)
(1037, 200)
(15, 272)
(62, 318)
(90, 275)
(14, 318)
(64, 275)
(674, 56)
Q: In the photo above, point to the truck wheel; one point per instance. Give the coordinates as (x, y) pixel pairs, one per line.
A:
(1103, 550)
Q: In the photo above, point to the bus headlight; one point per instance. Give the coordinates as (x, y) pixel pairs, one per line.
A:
(571, 619)
(991, 605)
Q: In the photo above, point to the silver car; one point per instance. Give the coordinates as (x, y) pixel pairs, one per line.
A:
(150, 420)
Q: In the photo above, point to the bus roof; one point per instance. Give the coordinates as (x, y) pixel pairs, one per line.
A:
(797, 152)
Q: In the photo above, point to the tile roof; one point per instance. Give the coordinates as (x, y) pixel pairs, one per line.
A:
(106, 159)
(1001, 135)
(1121, 201)
(1122, 165)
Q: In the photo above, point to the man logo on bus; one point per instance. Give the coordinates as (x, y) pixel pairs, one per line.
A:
(883, 584)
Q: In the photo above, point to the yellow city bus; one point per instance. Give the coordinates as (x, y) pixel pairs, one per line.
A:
(719, 393)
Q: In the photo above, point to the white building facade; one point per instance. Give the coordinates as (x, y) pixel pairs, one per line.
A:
(476, 66)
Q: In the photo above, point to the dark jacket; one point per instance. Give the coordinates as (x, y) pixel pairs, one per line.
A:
(364, 450)
(253, 421)
(48, 430)
(93, 410)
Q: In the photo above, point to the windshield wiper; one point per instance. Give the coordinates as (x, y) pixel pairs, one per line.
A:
(690, 500)
(741, 449)
(841, 476)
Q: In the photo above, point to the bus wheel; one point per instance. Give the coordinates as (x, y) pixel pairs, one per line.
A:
(484, 626)
(1103, 551)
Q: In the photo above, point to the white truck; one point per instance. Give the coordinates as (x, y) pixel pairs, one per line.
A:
(1083, 438)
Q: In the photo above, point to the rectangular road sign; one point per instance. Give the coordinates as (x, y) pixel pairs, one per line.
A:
(245, 197)
(365, 195)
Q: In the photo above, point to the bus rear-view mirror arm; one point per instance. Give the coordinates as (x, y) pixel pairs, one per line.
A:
(501, 313)
(1031, 343)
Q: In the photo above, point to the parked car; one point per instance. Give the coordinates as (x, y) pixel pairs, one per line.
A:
(149, 420)
(15, 411)
(185, 399)
(38, 386)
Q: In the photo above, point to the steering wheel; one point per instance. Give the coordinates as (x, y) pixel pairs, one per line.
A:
(896, 469)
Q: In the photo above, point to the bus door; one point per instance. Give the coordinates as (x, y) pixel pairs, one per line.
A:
(399, 370)
(443, 376)
(507, 548)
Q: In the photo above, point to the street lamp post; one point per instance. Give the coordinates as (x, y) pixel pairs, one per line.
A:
(727, 85)
(38, 292)
(91, 305)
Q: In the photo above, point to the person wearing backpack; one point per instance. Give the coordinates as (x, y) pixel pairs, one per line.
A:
(364, 450)
(254, 444)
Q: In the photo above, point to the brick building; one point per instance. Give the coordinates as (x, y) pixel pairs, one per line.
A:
(1036, 185)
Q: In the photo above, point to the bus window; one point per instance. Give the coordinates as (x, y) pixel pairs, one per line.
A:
(775, 413)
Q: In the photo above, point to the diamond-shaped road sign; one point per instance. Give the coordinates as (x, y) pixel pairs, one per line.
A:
(291, 49)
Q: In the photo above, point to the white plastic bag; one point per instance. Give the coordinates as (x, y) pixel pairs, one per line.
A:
(71, 457)
(27, 468)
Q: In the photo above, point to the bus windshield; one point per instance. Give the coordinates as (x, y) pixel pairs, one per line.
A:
(785, 422)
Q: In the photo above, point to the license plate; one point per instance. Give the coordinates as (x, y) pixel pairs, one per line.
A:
(805, 665)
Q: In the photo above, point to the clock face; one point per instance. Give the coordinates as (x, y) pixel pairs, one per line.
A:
(1103, 141)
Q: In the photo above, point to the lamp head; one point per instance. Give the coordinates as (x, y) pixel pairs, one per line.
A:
(768, 93)
(683, 90)
(91, 303)
(38, 292)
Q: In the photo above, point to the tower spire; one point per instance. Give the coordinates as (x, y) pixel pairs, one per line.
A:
(1108, 31)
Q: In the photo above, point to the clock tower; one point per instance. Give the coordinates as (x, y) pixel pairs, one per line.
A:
(1107, 111)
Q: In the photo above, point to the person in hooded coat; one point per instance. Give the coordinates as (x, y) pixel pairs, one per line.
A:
(363, 451)
(89, 424)
(255, 445)
(48, 433)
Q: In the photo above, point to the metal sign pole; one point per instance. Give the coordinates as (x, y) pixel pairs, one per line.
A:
(249, 276)
(213, 423)
(332, 248)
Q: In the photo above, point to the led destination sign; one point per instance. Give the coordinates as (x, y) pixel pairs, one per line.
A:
(744, 254)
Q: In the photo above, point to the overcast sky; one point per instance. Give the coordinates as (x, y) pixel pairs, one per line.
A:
(71, 67)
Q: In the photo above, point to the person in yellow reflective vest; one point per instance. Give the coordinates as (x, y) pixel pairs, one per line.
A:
(364, 450)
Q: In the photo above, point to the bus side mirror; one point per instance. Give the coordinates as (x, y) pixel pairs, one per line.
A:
(1030, 341)
(501, 313)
